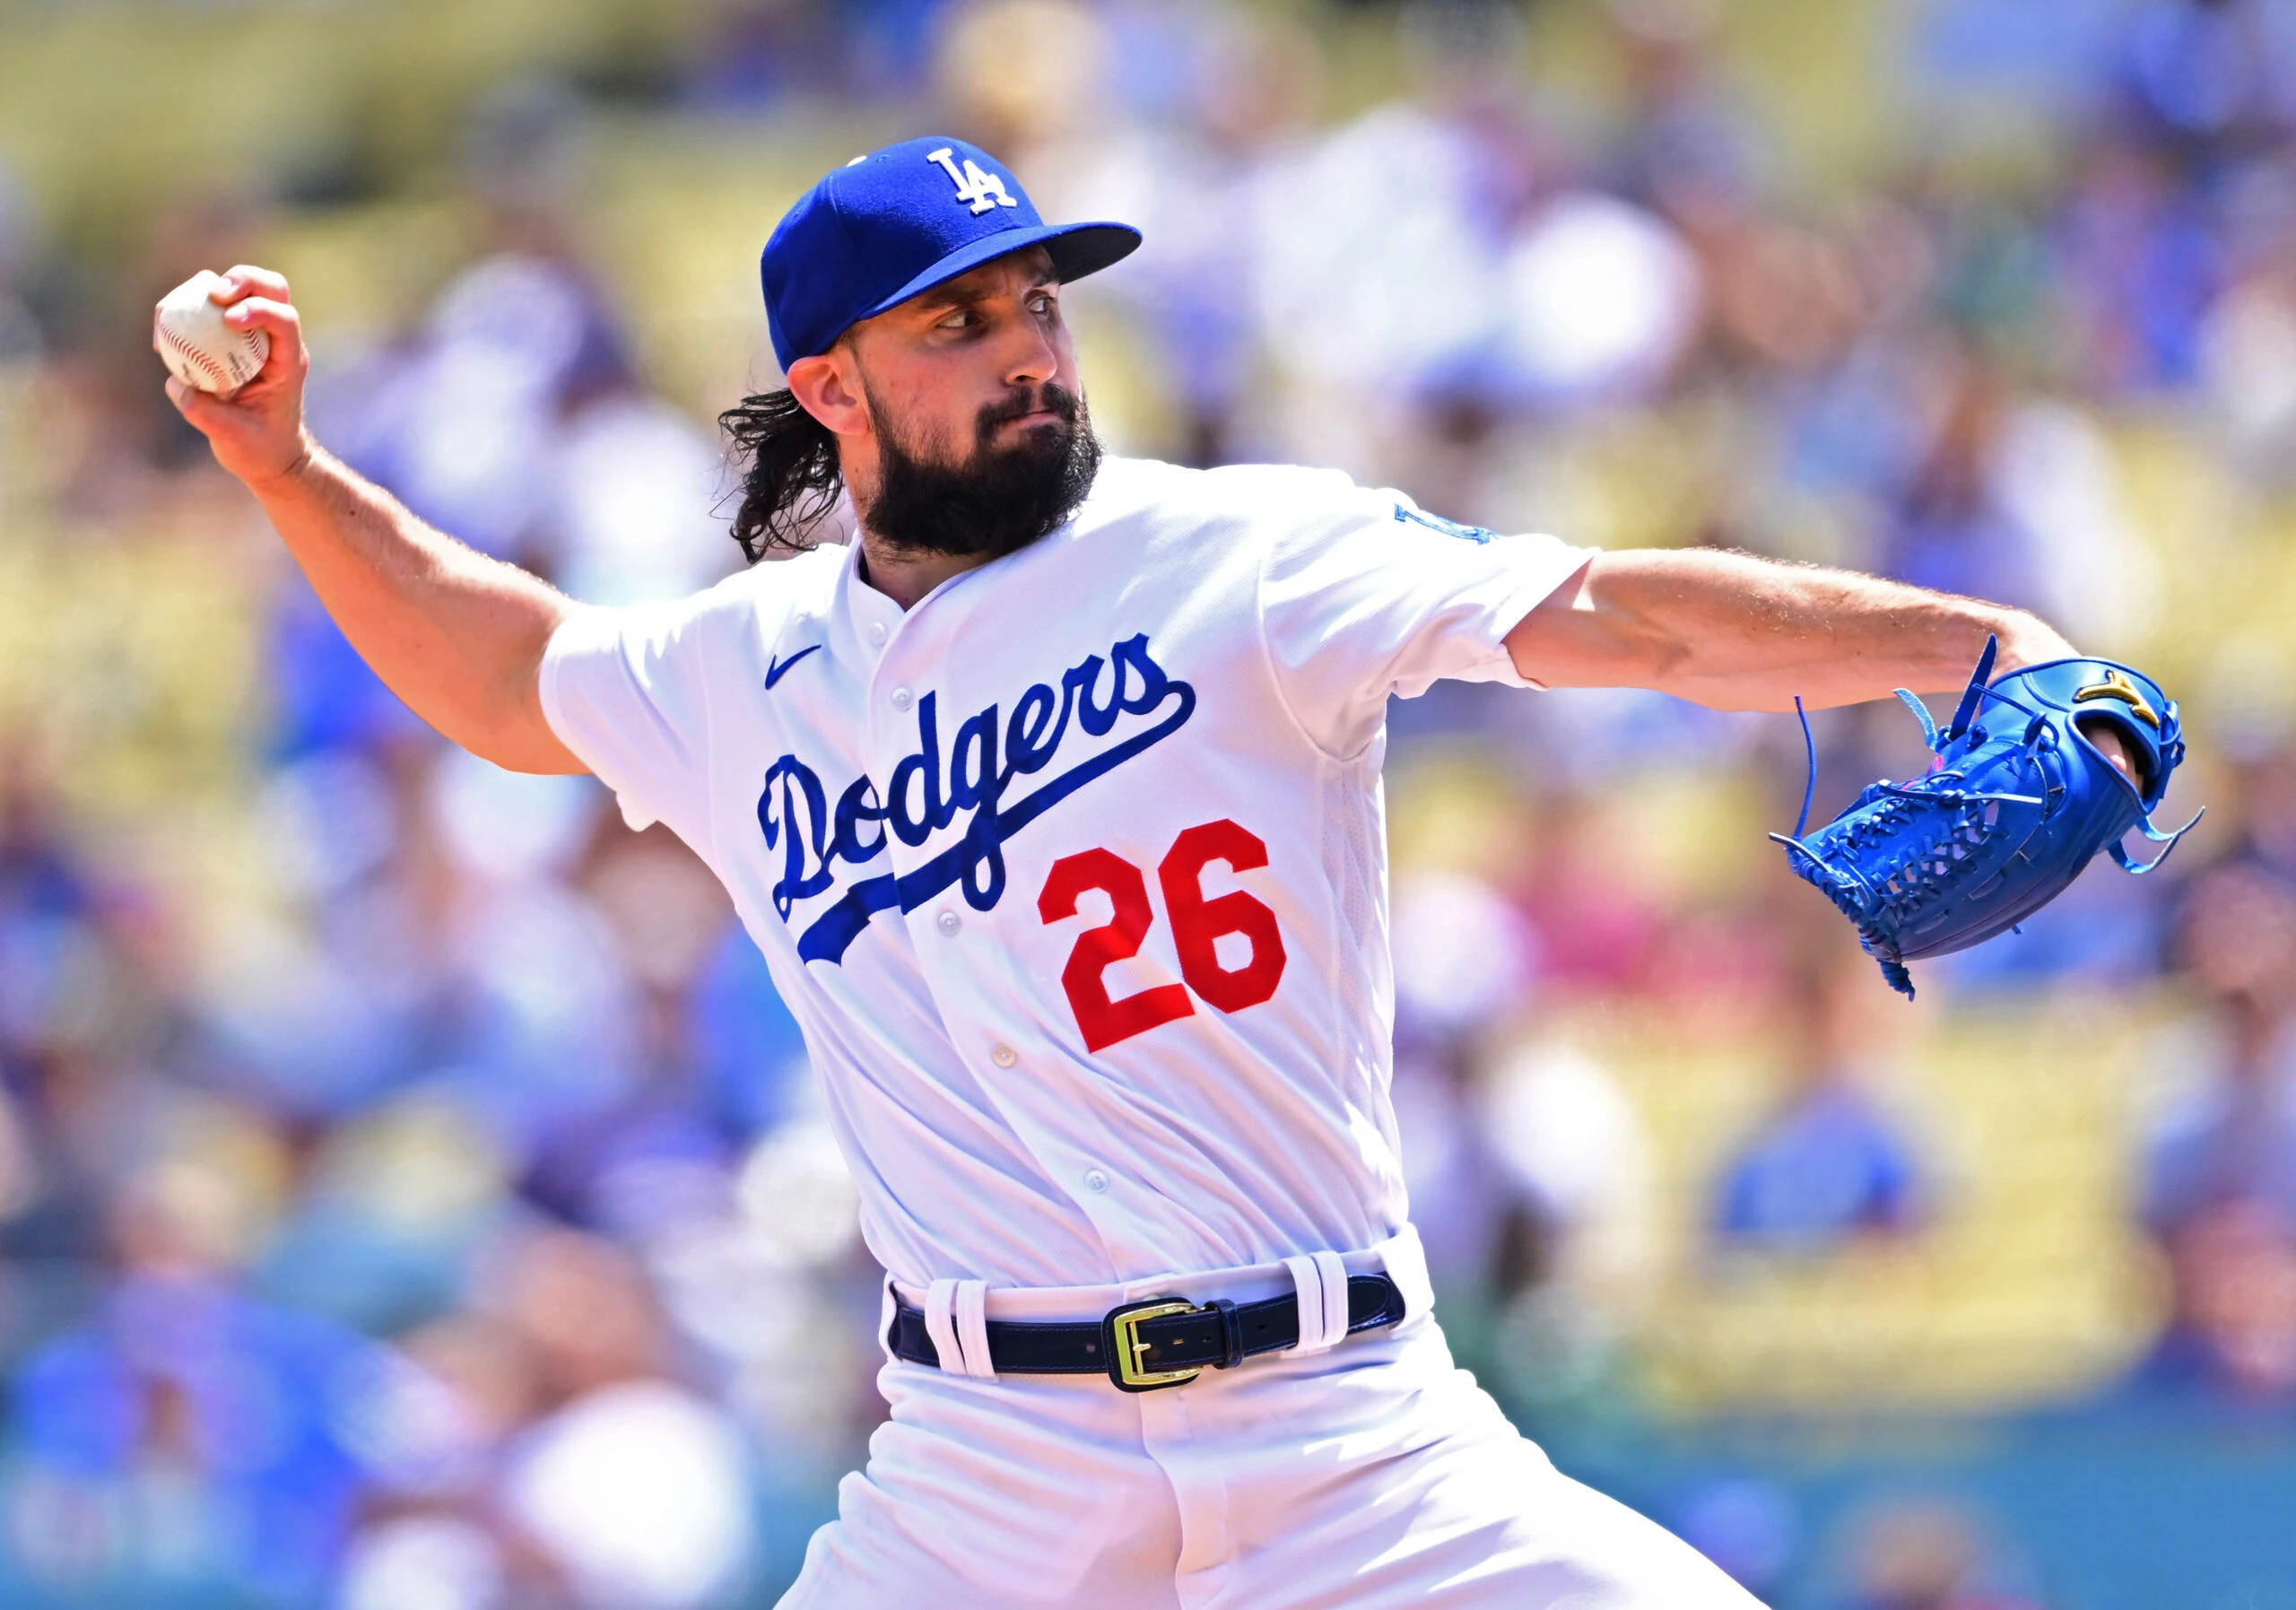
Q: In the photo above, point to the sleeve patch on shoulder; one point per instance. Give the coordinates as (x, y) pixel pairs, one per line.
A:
(1435, 522)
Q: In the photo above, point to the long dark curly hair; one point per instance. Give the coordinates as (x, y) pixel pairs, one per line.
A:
(789, 472)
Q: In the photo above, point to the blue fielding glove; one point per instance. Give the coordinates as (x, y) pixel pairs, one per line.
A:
(2016, 804)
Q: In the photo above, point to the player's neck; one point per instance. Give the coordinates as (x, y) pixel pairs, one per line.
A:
(905, 575)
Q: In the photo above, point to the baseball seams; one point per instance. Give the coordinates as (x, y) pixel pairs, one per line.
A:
(198, 347)
(193, 356)
(225, 376)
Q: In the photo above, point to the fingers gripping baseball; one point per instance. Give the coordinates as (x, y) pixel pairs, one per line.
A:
(247, 280)
(257, 430)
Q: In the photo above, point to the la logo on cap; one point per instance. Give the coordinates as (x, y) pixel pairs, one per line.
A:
(977, 187)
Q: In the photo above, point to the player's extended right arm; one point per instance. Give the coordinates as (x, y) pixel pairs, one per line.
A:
(457, 635)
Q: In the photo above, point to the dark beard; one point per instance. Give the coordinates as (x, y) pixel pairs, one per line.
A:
(1001, 499)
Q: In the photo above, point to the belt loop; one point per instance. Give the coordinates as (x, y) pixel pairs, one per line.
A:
(888, 1311)
(1309, 1284)
(972, 1329)
(1310, 1278)
(940, 1300)
(956, 1316)
(1335, 1282)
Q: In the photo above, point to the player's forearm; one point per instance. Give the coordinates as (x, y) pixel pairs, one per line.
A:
(456, 634)
(1734, 631)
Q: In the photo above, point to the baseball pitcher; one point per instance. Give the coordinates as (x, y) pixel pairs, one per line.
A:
(1053, 799)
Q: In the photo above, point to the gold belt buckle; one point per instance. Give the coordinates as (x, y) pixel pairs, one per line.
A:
(1127, 1354)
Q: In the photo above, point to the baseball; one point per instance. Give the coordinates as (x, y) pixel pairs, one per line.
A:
(199, 349)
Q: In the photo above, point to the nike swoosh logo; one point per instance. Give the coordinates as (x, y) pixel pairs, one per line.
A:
(776, 668)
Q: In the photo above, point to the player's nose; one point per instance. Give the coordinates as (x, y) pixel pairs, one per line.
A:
(1028, 354)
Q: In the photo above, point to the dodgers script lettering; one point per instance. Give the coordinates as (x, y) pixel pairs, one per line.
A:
(986, 754)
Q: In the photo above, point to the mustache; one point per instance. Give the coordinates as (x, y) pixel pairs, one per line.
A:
(1049, 396)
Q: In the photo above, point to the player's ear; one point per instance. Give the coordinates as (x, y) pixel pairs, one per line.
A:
(829, 387)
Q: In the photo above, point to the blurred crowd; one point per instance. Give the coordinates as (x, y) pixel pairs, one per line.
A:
(413, 1192)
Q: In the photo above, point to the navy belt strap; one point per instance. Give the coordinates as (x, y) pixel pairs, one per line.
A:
(1161, 1342)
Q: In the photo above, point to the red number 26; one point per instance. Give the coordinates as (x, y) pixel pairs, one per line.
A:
(1197, 926)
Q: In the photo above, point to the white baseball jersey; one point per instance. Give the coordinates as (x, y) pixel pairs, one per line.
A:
(1073, 874)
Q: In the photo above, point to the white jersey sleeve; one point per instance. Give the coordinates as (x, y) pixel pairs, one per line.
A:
(616, 691)
(631, 691)
(1367, 597)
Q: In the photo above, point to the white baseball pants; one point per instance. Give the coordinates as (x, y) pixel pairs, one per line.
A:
(1374, 1475)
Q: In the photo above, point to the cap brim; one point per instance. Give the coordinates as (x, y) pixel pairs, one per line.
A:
(1077, 249)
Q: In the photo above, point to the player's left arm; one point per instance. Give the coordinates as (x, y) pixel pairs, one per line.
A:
(1737, 632)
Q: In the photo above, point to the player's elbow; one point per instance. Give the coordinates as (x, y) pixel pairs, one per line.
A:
(1609, 627)
(518, 738)
(505, 726)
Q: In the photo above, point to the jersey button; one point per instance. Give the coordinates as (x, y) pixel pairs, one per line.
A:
(903, 699)
(1095, 1181)
(1003, 1056)
(948, 922)
(877, 633)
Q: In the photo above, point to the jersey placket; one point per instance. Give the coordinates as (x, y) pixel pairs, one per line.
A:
(908, 648)
(1016, 1065)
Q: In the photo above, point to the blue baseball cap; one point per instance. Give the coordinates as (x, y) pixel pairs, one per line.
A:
(900, 220)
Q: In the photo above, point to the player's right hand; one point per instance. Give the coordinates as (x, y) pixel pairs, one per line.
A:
(257, 434)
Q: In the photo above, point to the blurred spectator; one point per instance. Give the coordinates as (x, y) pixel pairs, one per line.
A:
(1528, 1169)
(189, 1437)
(1949, 530)
(1464, 963)
(1603, 298)
(78, 999)
(749, 1056)
(2145, 253)
(628, 516)
(2249, 359)
(1020, 77)
(2231, 1333)
(755, 53)
(1379, 260)
(1828, 1164)
(1923, 1555)
(630, 1486)
(462, 427)
(1589, 898)
(577, 1471)
(1577, 1267)
(19, 334)
(2219, 1166)
(2232, 1139)
(2264, 751)
(1749, 1526)
(1569, 1140)
(50, 955)
(1222, 103)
